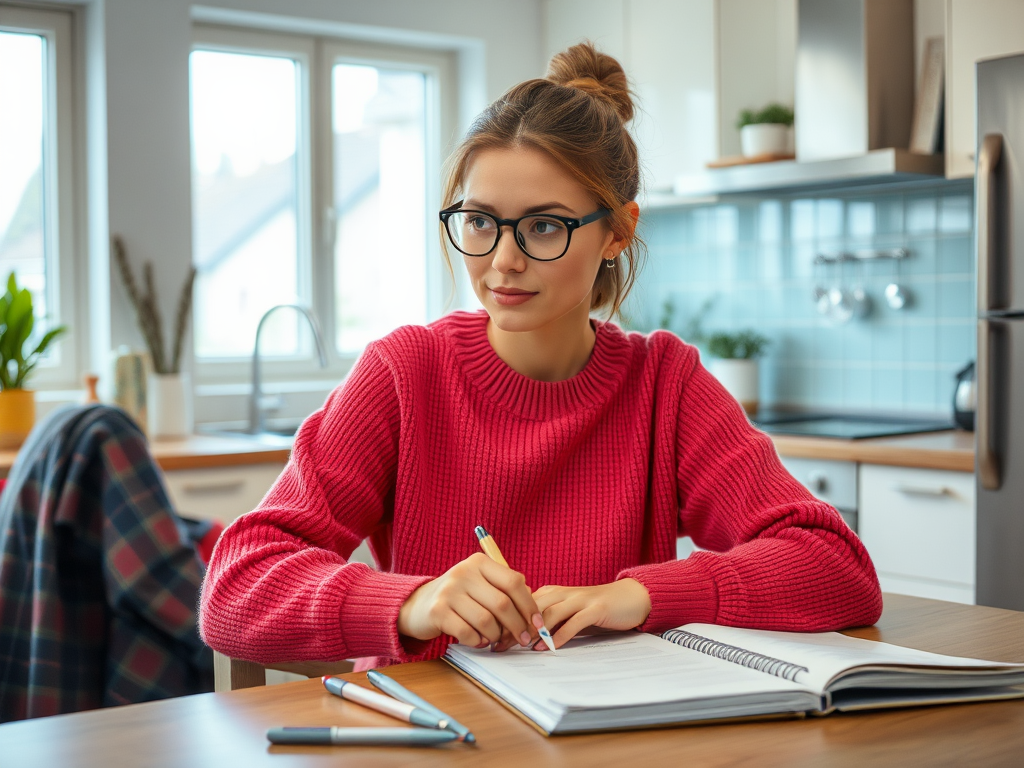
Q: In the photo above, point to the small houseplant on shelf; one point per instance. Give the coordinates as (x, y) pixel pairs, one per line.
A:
(17, 359)
(734, 363)
(168, 389)
(767, 131)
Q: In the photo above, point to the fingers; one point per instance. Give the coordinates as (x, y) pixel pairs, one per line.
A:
(513, 585)
(455, 626)
(573, 626)
(502, 609)
(547, 596)
(478, 617)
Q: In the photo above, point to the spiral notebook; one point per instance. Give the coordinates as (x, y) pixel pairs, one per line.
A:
(704, 672)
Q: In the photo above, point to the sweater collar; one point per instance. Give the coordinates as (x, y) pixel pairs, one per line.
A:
(539, 400)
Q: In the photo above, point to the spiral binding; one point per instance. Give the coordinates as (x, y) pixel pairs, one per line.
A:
(741, 656)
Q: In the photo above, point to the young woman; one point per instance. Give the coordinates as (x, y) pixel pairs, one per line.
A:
(584, 450)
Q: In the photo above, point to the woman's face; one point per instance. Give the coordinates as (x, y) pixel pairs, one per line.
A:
(520, 293)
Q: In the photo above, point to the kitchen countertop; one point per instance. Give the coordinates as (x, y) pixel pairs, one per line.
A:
(950, 450)
(203, 452)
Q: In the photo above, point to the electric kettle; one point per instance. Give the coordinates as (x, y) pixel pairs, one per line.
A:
(965, 397)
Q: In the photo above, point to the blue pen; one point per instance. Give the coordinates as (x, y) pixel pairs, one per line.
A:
(394, 688)
(360, 736)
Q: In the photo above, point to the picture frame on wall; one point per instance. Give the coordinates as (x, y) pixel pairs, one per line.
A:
(926, 129)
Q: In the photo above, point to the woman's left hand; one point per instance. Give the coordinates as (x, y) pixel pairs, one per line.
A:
(621, 605)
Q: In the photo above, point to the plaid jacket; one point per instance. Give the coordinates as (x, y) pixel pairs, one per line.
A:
(99, 584)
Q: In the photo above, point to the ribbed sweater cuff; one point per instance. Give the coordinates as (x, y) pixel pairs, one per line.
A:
(369, 613)
(682, 591)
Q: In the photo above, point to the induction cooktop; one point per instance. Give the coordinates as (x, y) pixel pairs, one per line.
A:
(849, 427)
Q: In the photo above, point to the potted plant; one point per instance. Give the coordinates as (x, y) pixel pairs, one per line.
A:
(734, 363)
(168, 389)
(767, 131)
(17, 359)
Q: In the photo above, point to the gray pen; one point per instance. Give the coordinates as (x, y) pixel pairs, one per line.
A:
(360, 736)
(393, 688)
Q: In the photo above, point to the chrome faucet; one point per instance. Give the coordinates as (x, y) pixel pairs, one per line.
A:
(257, 407)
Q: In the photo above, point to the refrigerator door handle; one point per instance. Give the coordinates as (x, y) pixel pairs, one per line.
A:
(989, 470)
(988, 160)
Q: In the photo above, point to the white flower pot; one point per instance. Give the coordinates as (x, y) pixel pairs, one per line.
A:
(765, 139)
(740, 378)
(169, 405)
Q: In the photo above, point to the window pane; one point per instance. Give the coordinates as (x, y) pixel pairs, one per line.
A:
(23, 240)
(245, 201)
(380, 251)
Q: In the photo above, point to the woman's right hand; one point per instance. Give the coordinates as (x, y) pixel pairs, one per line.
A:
(474, 601)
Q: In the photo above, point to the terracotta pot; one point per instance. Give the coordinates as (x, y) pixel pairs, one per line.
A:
(740, 378)
(17, 415)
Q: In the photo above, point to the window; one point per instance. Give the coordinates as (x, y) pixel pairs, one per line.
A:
(246, 209)
(316, 169)
(36, 217)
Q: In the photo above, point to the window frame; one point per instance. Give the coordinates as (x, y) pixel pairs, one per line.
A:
(316, 183)
(60, 370)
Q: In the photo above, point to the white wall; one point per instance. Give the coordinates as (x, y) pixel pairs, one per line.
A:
(136, 113)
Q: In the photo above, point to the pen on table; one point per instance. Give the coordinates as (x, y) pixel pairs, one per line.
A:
(360, 736)
(400, 692)
(490, 548)
(385, 704)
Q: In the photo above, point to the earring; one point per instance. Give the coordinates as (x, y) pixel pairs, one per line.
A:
(609, 263)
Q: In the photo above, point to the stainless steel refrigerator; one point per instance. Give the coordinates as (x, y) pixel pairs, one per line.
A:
(999, 420)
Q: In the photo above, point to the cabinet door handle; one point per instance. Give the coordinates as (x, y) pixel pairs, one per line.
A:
(222, 486)
(941, 492)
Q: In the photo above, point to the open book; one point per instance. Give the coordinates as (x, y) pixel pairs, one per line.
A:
(706, 672)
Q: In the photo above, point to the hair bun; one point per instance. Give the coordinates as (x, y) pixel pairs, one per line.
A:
(583, 67)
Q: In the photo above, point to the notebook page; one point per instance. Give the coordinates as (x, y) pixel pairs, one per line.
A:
(614, 671)
(827, 654)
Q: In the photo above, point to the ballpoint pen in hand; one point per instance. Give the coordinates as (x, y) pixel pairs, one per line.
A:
(385, 704)
(490, 548)
(400, 692)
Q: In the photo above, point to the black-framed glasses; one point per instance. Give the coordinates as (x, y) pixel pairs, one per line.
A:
(541, 236)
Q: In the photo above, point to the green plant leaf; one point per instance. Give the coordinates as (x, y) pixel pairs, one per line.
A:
(17, 322)
(49, 337)
(740, 345)
(772, 113)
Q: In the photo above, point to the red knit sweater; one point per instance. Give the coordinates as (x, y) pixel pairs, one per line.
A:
(582, 481)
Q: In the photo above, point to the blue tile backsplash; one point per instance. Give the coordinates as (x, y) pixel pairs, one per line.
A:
(755, 260)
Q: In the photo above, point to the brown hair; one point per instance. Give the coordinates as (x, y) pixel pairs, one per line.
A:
(577, 115)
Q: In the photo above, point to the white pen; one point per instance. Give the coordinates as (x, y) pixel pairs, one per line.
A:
(382, 703)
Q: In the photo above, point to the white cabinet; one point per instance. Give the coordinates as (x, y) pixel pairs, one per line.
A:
(694, 64)
(919, 527)
(225, 493)
(975, 29)
(221, 493)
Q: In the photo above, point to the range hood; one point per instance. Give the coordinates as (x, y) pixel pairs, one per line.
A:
(854, 101)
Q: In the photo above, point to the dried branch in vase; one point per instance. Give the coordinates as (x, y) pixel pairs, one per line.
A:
(147, 310)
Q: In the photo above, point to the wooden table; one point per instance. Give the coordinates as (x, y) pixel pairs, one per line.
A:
(228, 729)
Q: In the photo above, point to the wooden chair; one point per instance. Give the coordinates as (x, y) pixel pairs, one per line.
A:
(234, 674)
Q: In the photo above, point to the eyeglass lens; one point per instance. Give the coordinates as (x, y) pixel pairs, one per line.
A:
(476, 234)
